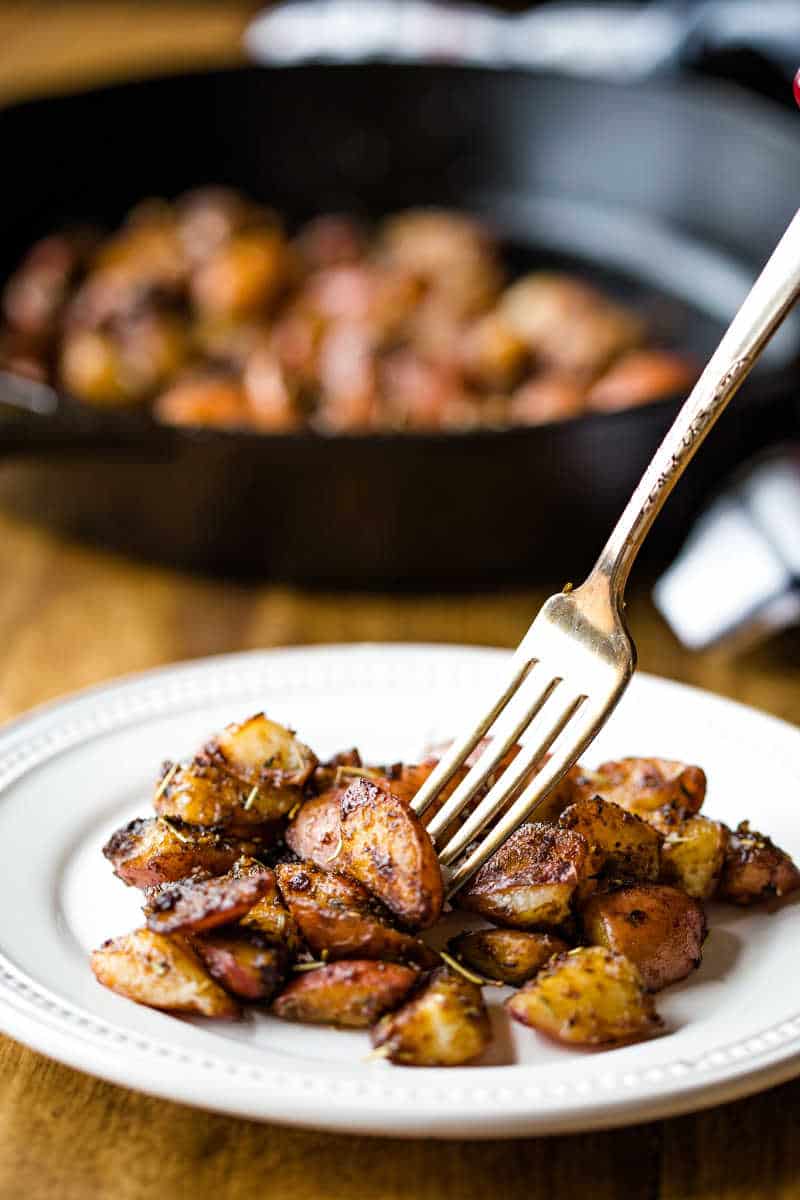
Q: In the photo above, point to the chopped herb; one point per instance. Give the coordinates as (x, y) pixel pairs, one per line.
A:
(250, 800)
(472, 976)
(162, 787)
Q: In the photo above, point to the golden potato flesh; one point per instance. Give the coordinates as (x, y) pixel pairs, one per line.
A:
(193, 906)
(511, 955)
(660, 929)
(243, 962)
(755, 868)
(338, 918)
(444, 1024)
(642, 785)
(261, 753)
(162, 972)
(145, 853)
(531, 880)
(269, 915)
(385, 847)
(587, 997)
(620, 843)
(693, 851)
(352, 993)
(203, 793)
(242, 276)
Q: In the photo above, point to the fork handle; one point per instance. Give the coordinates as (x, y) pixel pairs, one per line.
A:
(769, 300)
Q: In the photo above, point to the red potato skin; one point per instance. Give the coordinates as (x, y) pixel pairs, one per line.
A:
(755, 868)
(352, 993)
(659, 928)
(244, 963)
(147, 852)
(314, 832)
(195, 906)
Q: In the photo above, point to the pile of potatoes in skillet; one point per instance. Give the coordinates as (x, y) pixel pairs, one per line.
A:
(207, 310)
(271, 879)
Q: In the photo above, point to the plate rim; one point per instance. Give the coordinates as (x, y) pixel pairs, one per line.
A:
(86, 1041)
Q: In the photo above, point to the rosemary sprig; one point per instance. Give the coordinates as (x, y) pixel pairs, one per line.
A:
(472, 976)
(162, 787)
(308, 966)
(248, 804)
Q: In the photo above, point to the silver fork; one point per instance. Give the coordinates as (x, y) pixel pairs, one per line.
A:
(577, 658)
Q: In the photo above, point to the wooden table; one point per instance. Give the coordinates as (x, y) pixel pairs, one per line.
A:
(70, 616)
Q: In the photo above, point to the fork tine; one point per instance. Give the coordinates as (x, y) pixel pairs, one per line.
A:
(511, 779)
(504, 735)
(463, 747)
(544, 781)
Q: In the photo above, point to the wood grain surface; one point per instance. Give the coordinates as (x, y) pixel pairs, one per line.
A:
(71, 616)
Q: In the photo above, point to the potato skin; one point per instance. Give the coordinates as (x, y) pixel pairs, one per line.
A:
(351, 993)
(338, 917)
(693, 850)
(193, 906)
(587, 997)
(269, 916)
(386, 847)
(246, 964)
(444, 1024)
(149, 851)
(531, 880)
(755, 868)
(641, 785)
(162, 972)
(621, 844)
(511, 955)
(658, 928)
(314, 833)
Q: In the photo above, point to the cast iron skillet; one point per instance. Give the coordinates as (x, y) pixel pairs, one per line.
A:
(671, 196)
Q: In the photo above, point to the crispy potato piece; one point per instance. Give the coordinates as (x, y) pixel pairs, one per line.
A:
(314, 833)
(385, 847)
(511, 955)
(149, 851)
(262, 753)
(444, 1024)
(620, 843)
(755, 868)
(161, 971)
(192, 906)
(641, 785)
(693, 850)
(339, 918)
(660, 929)
(531, 880)
(352, 993)
(269, 915)
(203, 793)
(244, 962)
(587, 997)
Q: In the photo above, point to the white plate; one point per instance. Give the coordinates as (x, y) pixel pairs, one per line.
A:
(70, 773)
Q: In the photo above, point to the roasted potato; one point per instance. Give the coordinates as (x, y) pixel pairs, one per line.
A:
(444, 1024)
(338, 918)
(385, 847)
(639, 377)
(192, 906)
(587, 997)
(511, 955)
(755, 868)
(352, 993)
(265, 755)
(202, 793)
(269, 916)
(531, 880)
(161, 971)
(660, 929)
(620, 843)
(641, 785)
(242, 276)
(693, 850)
(244, 962)
(150, 851)
(314, 833)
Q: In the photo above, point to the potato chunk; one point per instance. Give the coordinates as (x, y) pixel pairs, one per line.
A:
(444, 1024)
(511, 955)
(203, 793)
(265, 755)
(660, 929)
(587, 997)
(693, 851)
(162, 972)
(386, 847)
(337, 916)
(531, 880)
(148, 852)
(642, 785)
(620, 843)
(755, 868)
(269, 916)
(193, 906)
(244, 963)
(314, 833)
(352, 993)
